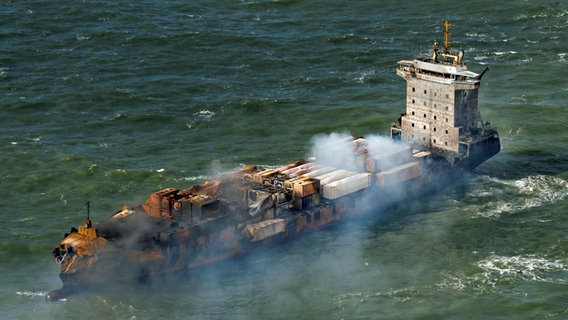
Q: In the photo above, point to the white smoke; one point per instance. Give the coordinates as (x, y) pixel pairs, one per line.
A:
(343, 151)
(334, 150)
(378, 145)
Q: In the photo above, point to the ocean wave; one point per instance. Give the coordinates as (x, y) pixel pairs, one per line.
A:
(500, 53)
(196, 178)
(400, 295)
(205, 114)
(475, 34)
(480, 58)
(200, 116)
(4, 72)
(363, 76)
(540, 15)
(31, 293)
(500, 197)
(497, 269)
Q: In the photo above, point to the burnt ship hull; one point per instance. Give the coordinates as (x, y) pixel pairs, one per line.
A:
(176, 229)
(170, 245)
(439, 135)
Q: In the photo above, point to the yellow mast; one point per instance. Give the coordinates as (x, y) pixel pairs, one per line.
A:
(447, 34)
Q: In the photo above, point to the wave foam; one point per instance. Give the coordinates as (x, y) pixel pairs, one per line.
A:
(31, 293)
(530, 267)
(205, 114)
(512, 196)
(196, 178)
(502, 270)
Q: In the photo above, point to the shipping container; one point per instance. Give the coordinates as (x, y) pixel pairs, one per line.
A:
(264, 229)
(203, 207)
(319, 172)
(305, 187)
(334, 176)
(292, 170)
(291, 165)
(345, 186)
(422, 155)
(360, 146)
(399, 174)
(377, 163)
(301, 203)
(264, 175)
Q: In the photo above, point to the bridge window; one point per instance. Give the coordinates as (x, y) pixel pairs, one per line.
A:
(424, 91)
(446, 131)
(413, 125)
(424, 115)
(413, 89)
(424, 127)
(435, 117)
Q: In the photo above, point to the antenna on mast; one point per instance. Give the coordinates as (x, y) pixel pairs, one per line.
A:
(88, 222)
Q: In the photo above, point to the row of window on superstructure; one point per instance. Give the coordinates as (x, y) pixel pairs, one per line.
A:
(434, 141)
(435, 117)
(435, 93)
(424, 127)
(435, 105)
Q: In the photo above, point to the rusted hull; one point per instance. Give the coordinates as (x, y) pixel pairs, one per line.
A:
(181, 246)
(179, 229)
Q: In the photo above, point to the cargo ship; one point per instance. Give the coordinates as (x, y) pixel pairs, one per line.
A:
(440, 133)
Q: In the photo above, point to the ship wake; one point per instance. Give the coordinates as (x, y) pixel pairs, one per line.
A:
(496, 197)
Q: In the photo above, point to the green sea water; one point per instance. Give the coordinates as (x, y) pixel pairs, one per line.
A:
(109, 101)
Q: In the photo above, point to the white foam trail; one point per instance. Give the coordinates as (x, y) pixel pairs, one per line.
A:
(497, 270)
(522, 267)
(196, 178)
(513, 196)
(31, 293)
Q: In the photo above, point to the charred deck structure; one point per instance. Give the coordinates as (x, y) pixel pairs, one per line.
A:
(441, 131)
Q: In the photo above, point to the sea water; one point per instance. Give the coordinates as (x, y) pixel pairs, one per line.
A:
(109, 101)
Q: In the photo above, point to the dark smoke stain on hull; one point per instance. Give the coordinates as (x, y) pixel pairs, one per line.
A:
(440, 134)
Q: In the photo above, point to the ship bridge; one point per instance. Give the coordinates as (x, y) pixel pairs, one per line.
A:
(442, 113)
